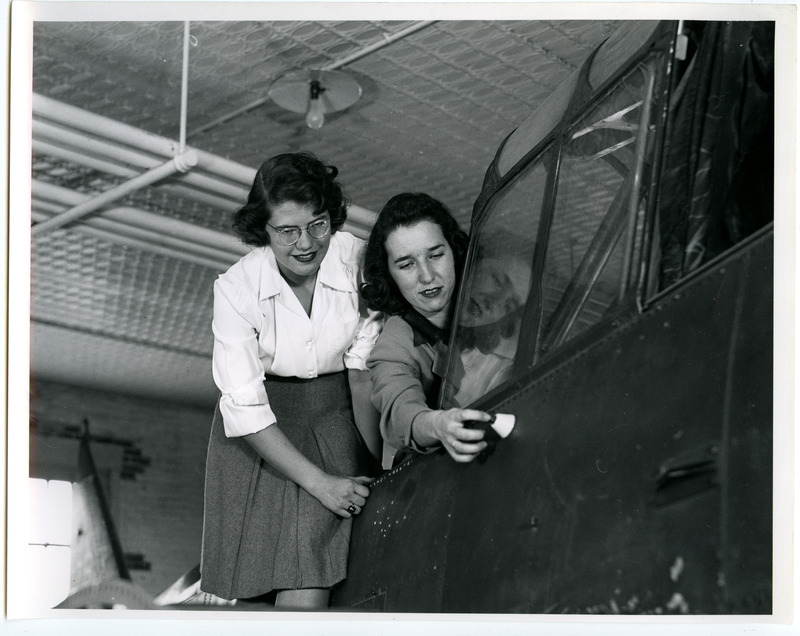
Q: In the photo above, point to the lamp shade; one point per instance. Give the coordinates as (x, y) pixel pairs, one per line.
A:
(292, 90)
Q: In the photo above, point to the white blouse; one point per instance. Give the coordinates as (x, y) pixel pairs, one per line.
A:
(260, 327)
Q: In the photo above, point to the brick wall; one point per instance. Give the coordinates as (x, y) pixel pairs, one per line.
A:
(151, 455)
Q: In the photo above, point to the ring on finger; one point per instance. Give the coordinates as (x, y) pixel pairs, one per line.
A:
(351, 509)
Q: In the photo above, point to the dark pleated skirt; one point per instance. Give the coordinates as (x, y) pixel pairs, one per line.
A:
(262, 532)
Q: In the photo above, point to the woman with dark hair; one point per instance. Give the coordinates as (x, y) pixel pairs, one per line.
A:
(286, 467)
(412, 264)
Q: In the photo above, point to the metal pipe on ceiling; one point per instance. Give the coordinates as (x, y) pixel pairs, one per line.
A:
(82, 159)
(120, 225)
(359, 220)
(328, 67)
(105, 140)
(114, 236)
(184, 88)
(180, 163)
(53, 198)
(389, 39)
(122, 233)
(108, 167)
(110, 151)
(203, 236)
(47, 108)
(103, 148)
(99, 127)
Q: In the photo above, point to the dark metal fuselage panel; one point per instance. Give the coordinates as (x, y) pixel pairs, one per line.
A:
(637, 478)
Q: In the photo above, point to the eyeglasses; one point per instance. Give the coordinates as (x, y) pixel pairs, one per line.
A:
(290, 235)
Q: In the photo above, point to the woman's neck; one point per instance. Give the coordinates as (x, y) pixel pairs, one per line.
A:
(302, 286)
(296, 280)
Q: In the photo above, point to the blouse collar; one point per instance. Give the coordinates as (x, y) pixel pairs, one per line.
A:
(333, 272)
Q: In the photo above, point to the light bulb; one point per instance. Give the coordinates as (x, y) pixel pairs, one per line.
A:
(315, 117)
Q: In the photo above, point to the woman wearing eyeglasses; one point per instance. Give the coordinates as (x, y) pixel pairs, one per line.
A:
(287, 468)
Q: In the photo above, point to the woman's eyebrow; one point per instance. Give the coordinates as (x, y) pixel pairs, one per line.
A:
(406, 257)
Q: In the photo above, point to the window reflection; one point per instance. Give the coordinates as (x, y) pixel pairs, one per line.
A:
(496, 290)
(489, 329)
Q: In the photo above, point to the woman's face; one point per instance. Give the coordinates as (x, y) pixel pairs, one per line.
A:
(299, 261)
(490, 297)
(421, 263)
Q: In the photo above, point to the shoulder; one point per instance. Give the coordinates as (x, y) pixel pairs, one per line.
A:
(247, 273)
(395, 342)
(340, 267)
(251, 262)
(346, 248)
(396, 328)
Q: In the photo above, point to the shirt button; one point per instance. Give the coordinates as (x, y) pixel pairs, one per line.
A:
(310, 374)
(309, 343)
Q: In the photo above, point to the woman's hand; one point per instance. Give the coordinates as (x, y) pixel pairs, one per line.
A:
(337, 494)
(344, 496)
(463, 444)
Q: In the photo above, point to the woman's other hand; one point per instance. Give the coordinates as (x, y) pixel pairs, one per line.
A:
(344, 496)
(337, 494)
(462, 444)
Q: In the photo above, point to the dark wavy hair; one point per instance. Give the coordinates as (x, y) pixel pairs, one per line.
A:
(379, 290)
(298, 177)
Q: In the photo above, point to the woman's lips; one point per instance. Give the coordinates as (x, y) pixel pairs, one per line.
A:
(431, 293)
(305, 258)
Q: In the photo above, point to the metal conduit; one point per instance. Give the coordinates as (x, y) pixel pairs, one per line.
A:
(122, 234)
(130, 222)
(206, 187)
(172, 227)
(52, 198)
(359, 220)
(184, 88)
(114, 236)
(108, 150)
(77, 119)
(153, 233)
(101, 165)
(123, 145)
(181, 163)
(57, 135)
(389, 39)
(120, 225)
(200, 196)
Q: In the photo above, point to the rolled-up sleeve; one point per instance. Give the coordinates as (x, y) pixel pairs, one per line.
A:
(366, 335)
(237, 368)
(397, 390)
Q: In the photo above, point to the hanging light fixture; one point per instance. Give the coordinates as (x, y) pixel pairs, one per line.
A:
(315, 93)
(315, 115)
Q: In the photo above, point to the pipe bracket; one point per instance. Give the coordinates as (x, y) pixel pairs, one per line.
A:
(185, 161)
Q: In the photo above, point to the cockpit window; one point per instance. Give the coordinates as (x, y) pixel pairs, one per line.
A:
(496, 289)
(599, 211)
(582, 212)
(593, 239)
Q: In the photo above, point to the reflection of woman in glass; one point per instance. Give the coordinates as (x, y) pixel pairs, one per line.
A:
(411, 263)
(488, 330)
(492, 311)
